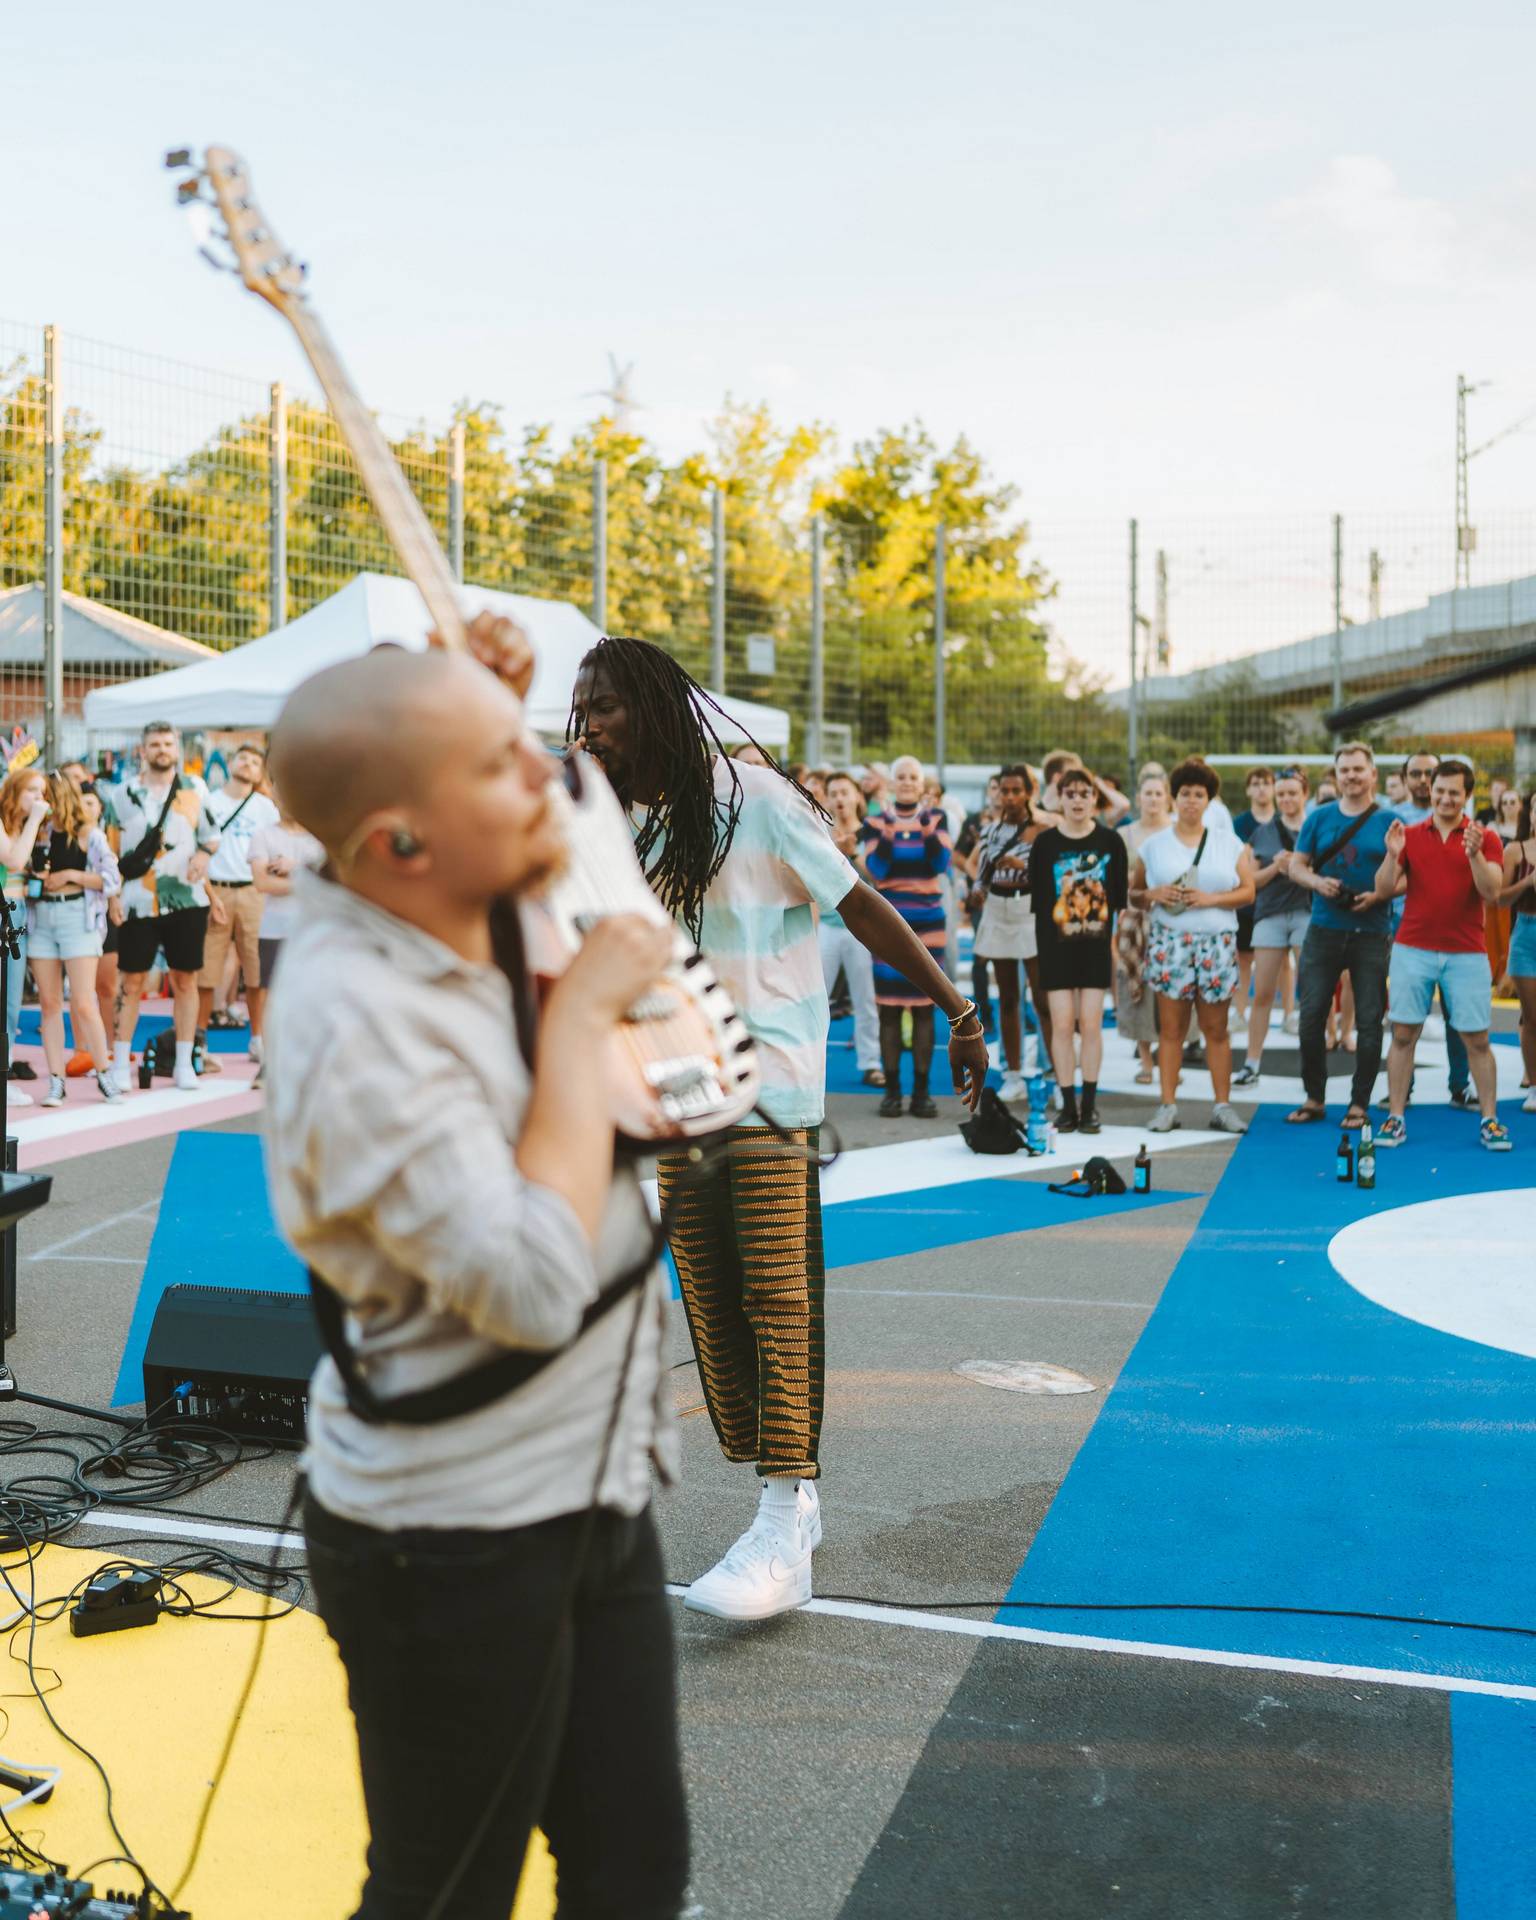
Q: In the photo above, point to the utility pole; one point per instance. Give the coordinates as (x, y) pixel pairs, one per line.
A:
(717, 591)
(1132, 732)
(1338, 610)
(1466, 534)
(1375, 584)
(1161, 644)
(53, 551)
(939, 611)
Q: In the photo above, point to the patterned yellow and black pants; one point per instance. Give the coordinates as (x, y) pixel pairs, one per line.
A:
(746, 1236)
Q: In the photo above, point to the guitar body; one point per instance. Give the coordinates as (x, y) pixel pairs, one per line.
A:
(682, 1063)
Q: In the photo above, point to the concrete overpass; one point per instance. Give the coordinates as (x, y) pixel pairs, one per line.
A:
(1464, 662)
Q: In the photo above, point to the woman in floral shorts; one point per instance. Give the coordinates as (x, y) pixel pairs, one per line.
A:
(1192, 878)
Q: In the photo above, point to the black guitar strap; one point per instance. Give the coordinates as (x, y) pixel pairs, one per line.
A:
(494, 1379)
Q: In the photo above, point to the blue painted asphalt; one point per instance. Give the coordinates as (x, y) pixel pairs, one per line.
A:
(1493, 1774)
(29, 1032)
(216, 1230)
(1275, 1439)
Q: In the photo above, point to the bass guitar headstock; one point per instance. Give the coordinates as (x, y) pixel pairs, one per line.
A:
(221, 184)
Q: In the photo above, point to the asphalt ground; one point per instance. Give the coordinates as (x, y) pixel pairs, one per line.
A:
(866, 1767)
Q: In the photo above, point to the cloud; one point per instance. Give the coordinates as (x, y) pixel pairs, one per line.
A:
(1401, 239)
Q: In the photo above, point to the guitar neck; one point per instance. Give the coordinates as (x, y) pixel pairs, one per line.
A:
(409, 530)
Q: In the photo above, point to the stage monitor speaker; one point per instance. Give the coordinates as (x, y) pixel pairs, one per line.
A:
(234, 1358)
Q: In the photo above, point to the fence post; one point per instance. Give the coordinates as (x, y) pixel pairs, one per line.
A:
(817, 728)
(53, 551)
(277, 508)
(717, 590)
(939, 556)
(1132, 717)
(1338, 612)
(600, 545)
(456, 500)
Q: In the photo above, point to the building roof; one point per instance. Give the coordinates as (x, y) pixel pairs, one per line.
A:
(93, 636)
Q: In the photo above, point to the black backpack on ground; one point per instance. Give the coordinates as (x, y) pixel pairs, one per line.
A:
(992, 1128)
(159, 1057)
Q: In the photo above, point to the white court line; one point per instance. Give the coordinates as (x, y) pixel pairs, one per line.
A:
(126, 1522)
(91, 1259)
(64, 1122)
(944, 1160)
(1008, 1299)
(100, 1226)
(1154, 1650)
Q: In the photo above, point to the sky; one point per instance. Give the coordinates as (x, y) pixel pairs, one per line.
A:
(1197, 263)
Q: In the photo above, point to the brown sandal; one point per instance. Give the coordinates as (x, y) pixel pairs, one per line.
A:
(1301, 1116)
(1354, 1119)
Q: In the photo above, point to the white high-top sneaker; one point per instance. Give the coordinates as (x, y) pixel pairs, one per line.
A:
(768, 1570)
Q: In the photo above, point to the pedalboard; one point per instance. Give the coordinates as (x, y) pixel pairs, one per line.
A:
(38, 1896)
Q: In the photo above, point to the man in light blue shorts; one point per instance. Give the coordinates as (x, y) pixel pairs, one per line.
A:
(1449, 867)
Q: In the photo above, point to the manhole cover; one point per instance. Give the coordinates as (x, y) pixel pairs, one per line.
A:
(1024, 1376)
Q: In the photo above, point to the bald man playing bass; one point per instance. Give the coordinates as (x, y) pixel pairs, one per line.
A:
(491, 1577)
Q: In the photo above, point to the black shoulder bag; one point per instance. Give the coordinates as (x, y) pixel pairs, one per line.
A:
(1320, 860)
(138, 860)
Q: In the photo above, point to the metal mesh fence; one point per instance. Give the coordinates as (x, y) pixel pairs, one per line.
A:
(1248, 632)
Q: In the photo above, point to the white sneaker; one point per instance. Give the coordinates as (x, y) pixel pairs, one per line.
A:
(1226, 1119)
(1527, 1105)
(14, 1098)
(1014, 1087)
(761, 1575)
(1292, 1022)
(184, 1079)
(255, 1050)
(1164, 1120)
(106, 1080)
(54, 1097)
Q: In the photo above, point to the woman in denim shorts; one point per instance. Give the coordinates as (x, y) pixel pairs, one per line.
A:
(1193, 878)
(1519, 896)
(73, 875)
(1281, 913)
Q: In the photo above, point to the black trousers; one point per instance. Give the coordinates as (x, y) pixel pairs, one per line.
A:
(463, 1659)
(1326, 954)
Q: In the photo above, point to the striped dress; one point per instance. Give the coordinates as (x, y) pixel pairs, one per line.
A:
(907, 852)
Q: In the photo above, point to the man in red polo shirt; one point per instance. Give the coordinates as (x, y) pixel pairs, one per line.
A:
(1449, 866)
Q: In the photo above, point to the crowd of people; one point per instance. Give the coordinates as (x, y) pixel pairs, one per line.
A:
(488, 1567)
(152, 874)
(1192, 917)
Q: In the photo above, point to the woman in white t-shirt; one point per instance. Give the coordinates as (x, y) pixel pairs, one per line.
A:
(276, 853)
(1192, 877)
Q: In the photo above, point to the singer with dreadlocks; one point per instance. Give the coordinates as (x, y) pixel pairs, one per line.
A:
(741, 856)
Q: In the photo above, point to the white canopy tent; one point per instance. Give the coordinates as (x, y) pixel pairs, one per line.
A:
(246, 687)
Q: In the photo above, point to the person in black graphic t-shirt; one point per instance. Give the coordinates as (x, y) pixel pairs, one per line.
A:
(1077, 881)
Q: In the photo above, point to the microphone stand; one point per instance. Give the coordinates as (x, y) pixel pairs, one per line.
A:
(25, 1192)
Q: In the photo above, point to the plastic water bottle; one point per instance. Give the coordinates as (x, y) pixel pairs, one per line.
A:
(1344, 1161)
(1141, 1171)
(1365, 1165)
(1036, 1128)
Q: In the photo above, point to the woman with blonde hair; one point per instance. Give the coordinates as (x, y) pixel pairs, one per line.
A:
(23, 809)
(72, 876)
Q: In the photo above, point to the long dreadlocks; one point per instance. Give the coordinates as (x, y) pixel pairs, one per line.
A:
(673, 746)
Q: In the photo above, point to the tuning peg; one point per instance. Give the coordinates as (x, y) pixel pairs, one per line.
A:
(179, 157)
(188, 190)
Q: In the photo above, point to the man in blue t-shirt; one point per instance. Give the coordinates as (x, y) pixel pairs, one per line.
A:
(1418, 776)
(1338, 851)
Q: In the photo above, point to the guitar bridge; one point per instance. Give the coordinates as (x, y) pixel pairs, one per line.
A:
(686, 1088)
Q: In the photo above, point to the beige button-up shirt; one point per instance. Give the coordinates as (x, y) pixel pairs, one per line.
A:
(395, 1093)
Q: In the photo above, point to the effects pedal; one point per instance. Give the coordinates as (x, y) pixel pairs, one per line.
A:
(38, 1896)
(112, 1602)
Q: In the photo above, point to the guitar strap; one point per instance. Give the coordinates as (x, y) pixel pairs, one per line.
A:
(493, 1379)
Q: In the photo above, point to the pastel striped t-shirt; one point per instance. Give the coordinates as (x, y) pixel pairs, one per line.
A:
(759, 931)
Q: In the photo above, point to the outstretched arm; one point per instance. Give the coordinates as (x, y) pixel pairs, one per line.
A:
(876, 924)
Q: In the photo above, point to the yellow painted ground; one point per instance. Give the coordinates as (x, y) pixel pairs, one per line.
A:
(287, 1832)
